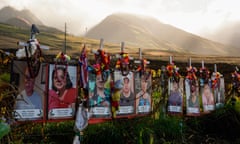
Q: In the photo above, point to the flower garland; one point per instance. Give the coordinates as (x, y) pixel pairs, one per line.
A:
(123, 63)
(236, 81)
(143, 65)
(191, 73)
(172, 72)
(124, 59)
(204, 76)
(102, 61)
(216, 80)
(62, 59)
(191, 76)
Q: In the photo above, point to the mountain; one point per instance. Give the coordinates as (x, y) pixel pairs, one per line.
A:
(150, 34)
(228, 34)
(23, 19)
(14, 17)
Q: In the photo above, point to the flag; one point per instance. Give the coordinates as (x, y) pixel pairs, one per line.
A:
(83, 62)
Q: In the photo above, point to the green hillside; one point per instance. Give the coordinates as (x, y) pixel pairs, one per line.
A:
(10, 35)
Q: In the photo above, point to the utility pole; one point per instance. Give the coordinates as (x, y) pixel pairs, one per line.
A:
(65, 39)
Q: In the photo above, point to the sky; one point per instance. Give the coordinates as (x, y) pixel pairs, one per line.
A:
(200, 17)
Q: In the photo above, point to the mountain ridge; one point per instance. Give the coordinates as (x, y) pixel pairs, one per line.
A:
(147, 32)
(8, 12)
(137, 31)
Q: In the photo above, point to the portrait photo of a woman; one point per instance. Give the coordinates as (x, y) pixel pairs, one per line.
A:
(62, 87)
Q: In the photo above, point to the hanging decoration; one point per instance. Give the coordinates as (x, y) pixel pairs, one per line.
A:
(208, 102)
(175, 89)
(204, 75)
(236, 82)
(99, 84)
(143, 86)
(172, 71)
(218, 88)
(32, 51)
(122, 63)
(192, 91)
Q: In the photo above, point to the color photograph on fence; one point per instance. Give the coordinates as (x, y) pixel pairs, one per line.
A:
(62, 91)
(30, 100)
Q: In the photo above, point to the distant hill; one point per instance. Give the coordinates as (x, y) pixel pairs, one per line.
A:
(149, 33)
(23, 19)
(7, 14)
(16, 21)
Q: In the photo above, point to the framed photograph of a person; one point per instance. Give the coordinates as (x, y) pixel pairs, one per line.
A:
(62, 91)
(219, 93)
(143, 91)
(99, 93)
(208, 100)
(127, 95)
(175, 98)
(30, 100)
(192, 97)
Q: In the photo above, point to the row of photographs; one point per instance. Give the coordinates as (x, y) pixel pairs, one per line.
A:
(198, 95)
(53, 93)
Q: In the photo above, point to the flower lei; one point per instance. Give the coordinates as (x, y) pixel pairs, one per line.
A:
(172, 72)
(123, 60)
(204, 74)
(143, 65)
(216, 80)
(102, 61)
(142, 69)
(62, 59)
(191, 73)
(236, 80)
(123, 63)
(191, 76)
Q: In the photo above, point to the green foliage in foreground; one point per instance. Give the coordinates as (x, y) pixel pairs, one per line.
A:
(220, 126)
(5, 77)
(142, 130)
